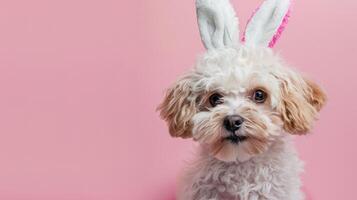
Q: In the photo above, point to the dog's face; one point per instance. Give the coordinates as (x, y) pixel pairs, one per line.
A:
(238, 102)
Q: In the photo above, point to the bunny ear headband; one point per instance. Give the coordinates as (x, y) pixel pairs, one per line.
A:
(219, 26)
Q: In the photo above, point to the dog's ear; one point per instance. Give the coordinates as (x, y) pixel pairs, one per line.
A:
(178, 108)
(301, 100)
(315, 95)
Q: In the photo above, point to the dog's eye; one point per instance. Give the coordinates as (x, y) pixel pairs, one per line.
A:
(259, 96)
(215, 99)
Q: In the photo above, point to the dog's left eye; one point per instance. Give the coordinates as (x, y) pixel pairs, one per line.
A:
(215, 99)
(259, 96)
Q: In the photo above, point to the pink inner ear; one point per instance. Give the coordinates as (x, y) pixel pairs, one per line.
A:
(278, 32)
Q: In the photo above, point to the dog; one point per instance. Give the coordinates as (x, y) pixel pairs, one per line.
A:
(242, 104)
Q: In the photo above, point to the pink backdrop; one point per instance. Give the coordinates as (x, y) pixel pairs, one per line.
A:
(80, 80)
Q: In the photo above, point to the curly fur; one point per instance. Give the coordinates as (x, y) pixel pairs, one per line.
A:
(265, 166)
(272, 175)
(251, 158)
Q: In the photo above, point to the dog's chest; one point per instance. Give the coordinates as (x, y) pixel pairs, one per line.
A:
(258, 179)
(240, 181)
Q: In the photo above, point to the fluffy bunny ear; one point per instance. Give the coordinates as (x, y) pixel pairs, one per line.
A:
(218, 23)
(267, 23)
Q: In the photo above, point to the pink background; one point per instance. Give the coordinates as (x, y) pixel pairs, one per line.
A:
(80, 80)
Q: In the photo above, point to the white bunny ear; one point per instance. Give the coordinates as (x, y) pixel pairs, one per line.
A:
(267, 23)
(218, 23)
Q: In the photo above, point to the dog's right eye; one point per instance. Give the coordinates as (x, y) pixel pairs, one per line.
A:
(215, 99)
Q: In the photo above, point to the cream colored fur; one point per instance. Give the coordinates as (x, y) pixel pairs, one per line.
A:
(265, 166)
(257, 161)
(273, 175)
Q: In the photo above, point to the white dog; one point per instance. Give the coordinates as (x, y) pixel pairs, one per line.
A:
(242, 104)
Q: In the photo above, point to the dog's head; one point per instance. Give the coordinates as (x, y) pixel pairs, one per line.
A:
(239, 99)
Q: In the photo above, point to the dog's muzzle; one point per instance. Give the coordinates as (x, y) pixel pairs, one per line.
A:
(233, 123)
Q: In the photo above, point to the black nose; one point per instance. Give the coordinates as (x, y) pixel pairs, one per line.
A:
(233, 122)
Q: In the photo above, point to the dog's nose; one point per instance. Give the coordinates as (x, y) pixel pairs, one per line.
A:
(233, 122)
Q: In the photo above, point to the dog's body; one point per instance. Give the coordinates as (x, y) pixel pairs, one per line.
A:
(273, 175)
(242, 104)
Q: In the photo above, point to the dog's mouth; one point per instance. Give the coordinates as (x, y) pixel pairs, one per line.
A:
(235, 138)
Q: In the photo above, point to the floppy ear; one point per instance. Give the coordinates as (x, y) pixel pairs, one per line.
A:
(217, 23)
(267, 23)
(178, 108)
(301, 101)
